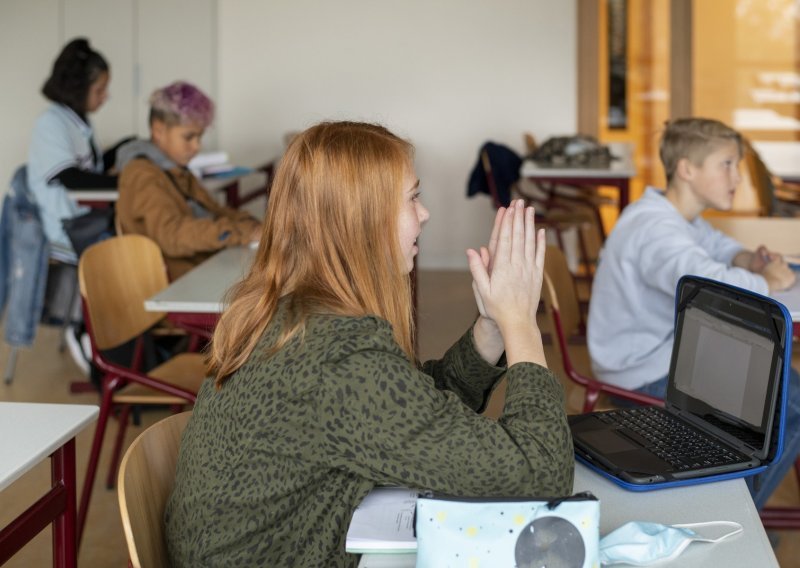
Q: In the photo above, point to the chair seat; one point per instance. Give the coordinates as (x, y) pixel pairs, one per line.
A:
(186, 370)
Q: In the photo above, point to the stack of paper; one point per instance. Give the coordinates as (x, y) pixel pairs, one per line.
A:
(205, 160)
(384, 522)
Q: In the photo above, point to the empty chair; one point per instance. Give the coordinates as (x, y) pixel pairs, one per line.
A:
(563, 311)
(570, 194)
(116, 276)
(146, 477)
(776, 197)
(497, 173)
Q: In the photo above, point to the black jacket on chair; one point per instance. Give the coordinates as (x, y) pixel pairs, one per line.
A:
(505, 163)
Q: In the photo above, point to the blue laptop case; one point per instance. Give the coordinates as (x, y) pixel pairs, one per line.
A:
(728, 381)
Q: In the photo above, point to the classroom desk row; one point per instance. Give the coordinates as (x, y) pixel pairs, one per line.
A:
(230, 186)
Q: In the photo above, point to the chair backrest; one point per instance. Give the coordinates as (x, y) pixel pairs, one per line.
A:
(559, 295)
(563, 310)
(116, 276)
(760, 180)
(145, 482)
(118, 226)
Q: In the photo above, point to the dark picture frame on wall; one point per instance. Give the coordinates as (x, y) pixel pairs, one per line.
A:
(617, 113)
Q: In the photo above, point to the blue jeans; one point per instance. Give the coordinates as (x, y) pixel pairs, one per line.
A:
(23, 267)
(764, 484)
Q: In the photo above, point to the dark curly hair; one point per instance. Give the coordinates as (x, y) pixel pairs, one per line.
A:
(74, 70)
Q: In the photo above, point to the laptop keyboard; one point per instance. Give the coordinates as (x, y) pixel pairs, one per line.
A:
(680, 445)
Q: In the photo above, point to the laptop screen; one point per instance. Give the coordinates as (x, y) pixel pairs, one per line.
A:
(726, 366)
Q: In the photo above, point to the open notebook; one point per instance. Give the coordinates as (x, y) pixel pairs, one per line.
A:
(725, 403)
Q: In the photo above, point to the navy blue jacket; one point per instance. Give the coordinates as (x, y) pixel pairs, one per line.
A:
(505, 164)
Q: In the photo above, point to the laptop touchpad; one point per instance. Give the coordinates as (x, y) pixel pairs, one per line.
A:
(607, 441)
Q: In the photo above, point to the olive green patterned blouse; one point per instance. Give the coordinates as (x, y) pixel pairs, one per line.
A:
(272, 465)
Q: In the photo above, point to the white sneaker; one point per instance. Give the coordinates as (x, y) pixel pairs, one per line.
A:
(76, 350)
(86, 345)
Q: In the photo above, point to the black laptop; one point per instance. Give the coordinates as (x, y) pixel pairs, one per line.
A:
(726, 397)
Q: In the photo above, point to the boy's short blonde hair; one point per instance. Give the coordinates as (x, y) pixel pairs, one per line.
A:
(693, 139)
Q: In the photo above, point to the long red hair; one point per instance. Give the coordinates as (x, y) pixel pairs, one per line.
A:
(329, 245)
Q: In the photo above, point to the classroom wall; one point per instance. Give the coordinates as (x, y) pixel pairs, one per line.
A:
(133, 36)
(447, 74)
(24, 64)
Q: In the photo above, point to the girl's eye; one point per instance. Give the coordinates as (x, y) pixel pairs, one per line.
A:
(415, 197)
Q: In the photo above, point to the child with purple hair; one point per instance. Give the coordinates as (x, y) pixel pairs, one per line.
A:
(161, 199)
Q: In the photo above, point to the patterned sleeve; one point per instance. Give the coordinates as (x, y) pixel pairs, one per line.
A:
(463, 371)
(387, 421)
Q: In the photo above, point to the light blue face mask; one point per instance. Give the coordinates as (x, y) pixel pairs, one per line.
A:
(642, 544)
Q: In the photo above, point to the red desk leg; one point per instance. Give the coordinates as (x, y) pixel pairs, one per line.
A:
(62, 465)
(232, 195)
(57, 506)
(624, 193)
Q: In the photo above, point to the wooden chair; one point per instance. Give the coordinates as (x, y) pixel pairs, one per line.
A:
(575, 200)
(115, 278)
(146, 477)
(563, 310)
(557, 219)
(775, 197)
(570, 195)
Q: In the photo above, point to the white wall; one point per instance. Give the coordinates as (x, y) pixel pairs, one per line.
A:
(148, 43)
(447, 74)
(29, 41)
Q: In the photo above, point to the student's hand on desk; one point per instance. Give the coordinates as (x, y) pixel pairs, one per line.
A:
(508, 281)
(778, 275)
(760, 258)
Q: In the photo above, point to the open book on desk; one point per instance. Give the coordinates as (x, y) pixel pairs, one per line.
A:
(384, 522)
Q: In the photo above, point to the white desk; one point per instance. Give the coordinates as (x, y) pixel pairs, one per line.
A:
(202, 289)
(791, 299)
(31, 433)
(229, 184)
(720, 501)
(618, 174)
